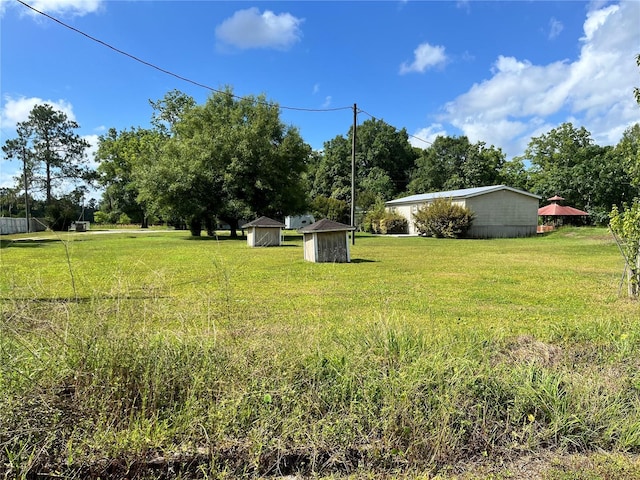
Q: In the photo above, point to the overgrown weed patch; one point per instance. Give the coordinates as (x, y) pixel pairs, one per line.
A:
(219, 358)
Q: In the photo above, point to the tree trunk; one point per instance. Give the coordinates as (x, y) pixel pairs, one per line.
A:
(233, 227)
(210, 226)
(633, 277)
(48, 184)
(195, 226)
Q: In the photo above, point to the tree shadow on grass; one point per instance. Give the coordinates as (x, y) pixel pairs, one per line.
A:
(216, 238)
(71, 299)
(27, 243)
(363, 260)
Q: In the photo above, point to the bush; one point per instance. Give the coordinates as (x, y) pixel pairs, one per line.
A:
(443, 219)
(393, 223)
(103, 217)
(61, 213)
(378, 220)
(371, 220)
(124, 219)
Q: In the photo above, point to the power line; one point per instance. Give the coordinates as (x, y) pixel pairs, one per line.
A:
(193, 82)
(412, 136)
(168, 72)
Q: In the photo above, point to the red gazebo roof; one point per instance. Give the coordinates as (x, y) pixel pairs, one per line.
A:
(556, 210)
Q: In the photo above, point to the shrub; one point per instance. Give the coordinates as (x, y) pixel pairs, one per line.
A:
(393, 223)
(103, 217)
(60, 213)
(124, 219)
(625, 227)
(443, 219)
(378, 220)
(371, 220)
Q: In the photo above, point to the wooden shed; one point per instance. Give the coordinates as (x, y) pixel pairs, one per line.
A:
(264, 232)
(326, 241)
(499, 211)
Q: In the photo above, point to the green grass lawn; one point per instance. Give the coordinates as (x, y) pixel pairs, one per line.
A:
(220, 360)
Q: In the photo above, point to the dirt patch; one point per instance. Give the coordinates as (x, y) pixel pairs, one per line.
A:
(526, 350)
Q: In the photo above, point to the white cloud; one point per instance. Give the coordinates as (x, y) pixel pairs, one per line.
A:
(327, 102)
(251, 29)
(94, 142)
(59, 7)
(464, 5)
(555, 27)
(8, 175)
(596, 19)
(425, 56)
(595, 90)
(17, 110)
(423, 137)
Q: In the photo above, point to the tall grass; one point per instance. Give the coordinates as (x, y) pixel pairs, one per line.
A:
(207, 358)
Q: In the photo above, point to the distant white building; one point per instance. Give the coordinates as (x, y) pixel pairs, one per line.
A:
(296, 222)
(499, 211)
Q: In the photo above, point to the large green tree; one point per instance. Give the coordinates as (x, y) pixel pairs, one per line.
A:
(558, 159)
(566, 162)
(52, 153)
(124, 156)
(628, 149)
(229, 159)
(454, 162)
(384, 160)
(168, 110)
(333, 172)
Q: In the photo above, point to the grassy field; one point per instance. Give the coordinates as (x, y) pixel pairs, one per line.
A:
(157, 355)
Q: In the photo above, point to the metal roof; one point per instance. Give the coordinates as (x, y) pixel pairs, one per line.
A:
(325, 225)
(457, 194)
(264, 222)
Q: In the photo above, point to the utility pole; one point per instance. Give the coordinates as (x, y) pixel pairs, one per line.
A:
(353, 174)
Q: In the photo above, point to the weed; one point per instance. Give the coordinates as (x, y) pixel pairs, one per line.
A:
(209, 359)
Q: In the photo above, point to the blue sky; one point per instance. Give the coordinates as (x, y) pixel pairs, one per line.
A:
(498, 72)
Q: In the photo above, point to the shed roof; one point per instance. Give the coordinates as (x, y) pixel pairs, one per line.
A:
(326, 225)
(264, 222)
(457, 194)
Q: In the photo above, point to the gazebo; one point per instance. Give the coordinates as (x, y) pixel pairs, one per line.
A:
(556, 214)
(264, 232)
(326, 241)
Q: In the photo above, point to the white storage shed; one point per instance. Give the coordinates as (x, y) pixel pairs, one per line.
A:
(326, 241)
(264, 232)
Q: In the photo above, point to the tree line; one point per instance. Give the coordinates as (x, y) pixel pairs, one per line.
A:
(232, 159)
